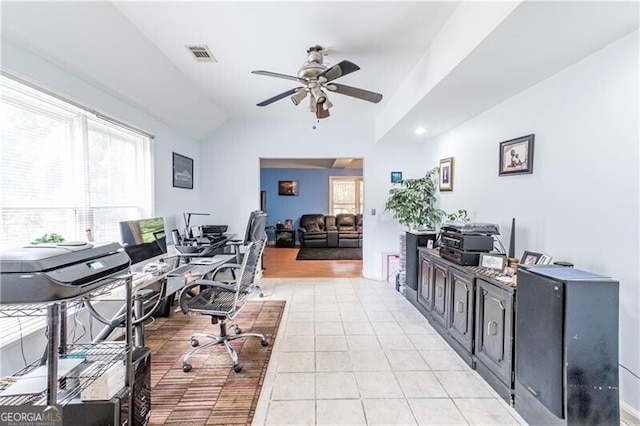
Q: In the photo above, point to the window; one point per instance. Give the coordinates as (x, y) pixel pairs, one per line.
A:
(346, 194)
(65, 170)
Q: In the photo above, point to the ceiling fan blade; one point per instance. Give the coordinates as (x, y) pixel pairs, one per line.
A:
(278, 97)
(338, 70)
(321, 113)
(278, 75)
(365, 95)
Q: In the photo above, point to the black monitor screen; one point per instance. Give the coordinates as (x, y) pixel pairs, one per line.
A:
(143, 238)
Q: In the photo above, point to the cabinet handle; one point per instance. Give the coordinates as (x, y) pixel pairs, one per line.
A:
(439, 291)
(491, 330)
(460, 307)
(466, 287)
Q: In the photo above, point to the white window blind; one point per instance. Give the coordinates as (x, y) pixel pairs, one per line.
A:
(64, 170)
(346, 194)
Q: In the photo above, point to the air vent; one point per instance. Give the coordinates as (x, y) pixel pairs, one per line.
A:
(202, 53)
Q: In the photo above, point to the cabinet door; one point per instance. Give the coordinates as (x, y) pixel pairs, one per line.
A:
(425, 282)
(440, 283)
(494, 329)
(461, 311)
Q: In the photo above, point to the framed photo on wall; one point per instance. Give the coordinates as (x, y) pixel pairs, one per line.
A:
(516, 156)
(446, 174)
(182, 171)
(396, 177)
(288, 187)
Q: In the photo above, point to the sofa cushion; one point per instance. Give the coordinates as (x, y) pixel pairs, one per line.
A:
(346, 221)
(313, 227)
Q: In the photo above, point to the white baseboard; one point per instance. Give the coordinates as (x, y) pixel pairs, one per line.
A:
(628, 414)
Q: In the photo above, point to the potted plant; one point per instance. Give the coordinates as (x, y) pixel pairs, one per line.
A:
(49, 238)
(413, 202)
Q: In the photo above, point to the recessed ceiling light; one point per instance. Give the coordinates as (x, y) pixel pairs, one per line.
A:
(420, 131)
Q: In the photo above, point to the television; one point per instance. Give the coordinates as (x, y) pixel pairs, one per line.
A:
(143, 238)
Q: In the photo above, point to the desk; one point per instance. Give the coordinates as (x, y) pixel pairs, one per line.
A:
(285, 237)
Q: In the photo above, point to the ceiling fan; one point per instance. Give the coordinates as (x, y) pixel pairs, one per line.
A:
(316, 79)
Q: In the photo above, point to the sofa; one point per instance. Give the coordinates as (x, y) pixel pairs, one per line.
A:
(342, 230)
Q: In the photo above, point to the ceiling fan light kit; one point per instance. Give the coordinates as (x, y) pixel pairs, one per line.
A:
(315, 76)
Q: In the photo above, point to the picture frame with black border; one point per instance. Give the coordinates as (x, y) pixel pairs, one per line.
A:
(530, 258)
(288, 187)
(396, 177)
(494, 261)
(516, 156)
(182, 171)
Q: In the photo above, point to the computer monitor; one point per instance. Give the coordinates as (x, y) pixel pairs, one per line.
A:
(143, 238)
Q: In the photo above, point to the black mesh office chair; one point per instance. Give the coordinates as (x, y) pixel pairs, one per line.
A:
(256, 230)
(222, 302)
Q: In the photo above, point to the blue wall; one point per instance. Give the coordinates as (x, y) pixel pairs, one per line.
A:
(313, 192)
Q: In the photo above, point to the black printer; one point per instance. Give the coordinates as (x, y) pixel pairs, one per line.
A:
(55, 272)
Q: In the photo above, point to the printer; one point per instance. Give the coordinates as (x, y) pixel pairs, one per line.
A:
(56, 272)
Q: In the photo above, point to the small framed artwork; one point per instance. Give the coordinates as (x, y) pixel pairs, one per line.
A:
(396, 177)
(182, 171)
(493, 261)
(545, 259)
(530, 258)
(288, 187)
(446, 174)
(516, 156)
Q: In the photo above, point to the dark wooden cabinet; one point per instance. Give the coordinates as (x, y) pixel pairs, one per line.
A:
(494, 336)
(440, 293)
(425, 282)
(413, 241)
(461, 312)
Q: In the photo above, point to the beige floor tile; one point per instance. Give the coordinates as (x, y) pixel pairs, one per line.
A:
(328, 328)
(298, 344)
(363, 342)
(369, 361)
(339, 385)
(398, 342)
(295, 317)
(333, 361)
(340, 412)
(331, 343)
(291, 413)
(388, 412)
(436, 411)
(386, 327)
(446, 360)
(463, 384)
(420, 384)
(300, 329)
(484, 412)
(378, 384)
(287, 386)
(295, 362)
(406, 361)
(428, 342)
(357, 327)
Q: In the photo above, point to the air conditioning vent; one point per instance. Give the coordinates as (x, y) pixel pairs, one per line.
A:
(201, 53)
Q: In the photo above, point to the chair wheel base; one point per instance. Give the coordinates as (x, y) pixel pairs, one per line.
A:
(237, 368)
(238, 330)
(264, 343)
(186, 367)
(194, 342)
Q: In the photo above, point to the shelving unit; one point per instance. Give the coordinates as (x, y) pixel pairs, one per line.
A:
(97, 358)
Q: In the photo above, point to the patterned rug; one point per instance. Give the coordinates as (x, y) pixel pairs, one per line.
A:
(333, 253)
(211, 393)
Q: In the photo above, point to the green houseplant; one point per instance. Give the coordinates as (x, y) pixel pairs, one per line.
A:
(413, 202)
(49, 238)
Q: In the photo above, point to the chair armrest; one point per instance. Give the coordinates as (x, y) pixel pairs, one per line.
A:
(226, 266)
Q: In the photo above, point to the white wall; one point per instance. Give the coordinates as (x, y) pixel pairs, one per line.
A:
(581, 202)
(169, 202)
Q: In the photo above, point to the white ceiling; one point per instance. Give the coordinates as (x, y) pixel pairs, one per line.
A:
(136, 51)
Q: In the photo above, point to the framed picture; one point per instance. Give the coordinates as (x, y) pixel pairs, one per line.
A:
(530, 258)
(287, 187)
(396, 177)
(516, 156)
(493, 261)
(182, 171)
(446, 174)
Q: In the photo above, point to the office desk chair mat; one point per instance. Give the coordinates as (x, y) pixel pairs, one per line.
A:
(212, 393)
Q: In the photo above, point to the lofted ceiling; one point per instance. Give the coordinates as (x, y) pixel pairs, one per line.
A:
(137, 52)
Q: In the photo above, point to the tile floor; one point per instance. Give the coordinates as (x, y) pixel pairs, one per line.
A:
(355, 352)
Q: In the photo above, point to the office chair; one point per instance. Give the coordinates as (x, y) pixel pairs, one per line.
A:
(222, 302)
(256, 230)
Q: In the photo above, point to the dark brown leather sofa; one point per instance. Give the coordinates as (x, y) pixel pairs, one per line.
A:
(318, 230)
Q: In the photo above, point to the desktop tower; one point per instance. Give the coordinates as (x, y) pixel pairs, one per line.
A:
(140, 388)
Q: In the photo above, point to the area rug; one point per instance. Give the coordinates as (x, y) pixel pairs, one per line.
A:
(211, 393)
(321, 253)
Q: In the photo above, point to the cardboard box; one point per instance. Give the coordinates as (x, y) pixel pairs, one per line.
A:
(106, 385)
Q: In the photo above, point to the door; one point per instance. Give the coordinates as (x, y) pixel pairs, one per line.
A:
(494, 325)
(461, 311)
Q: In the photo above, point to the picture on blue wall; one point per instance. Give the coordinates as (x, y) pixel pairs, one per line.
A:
(288, 187)
(396, 177)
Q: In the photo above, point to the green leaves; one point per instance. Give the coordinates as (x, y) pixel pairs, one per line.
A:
(413, 203)
(49, 238)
